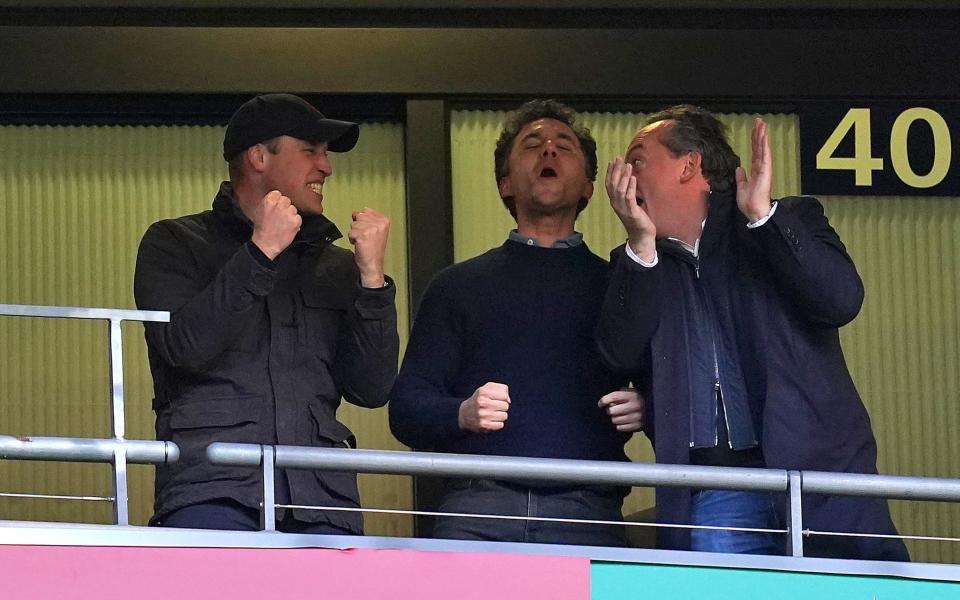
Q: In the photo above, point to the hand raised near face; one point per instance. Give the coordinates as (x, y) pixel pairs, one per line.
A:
(275, 223)
(486, 409)
(621, 186)
(753, 194)
(368, 234)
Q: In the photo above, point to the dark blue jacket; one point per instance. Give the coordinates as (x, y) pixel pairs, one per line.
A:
(789, 285)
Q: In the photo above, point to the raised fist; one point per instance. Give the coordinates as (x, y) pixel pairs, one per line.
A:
(485, 410)
(275, 224)
(368, 233)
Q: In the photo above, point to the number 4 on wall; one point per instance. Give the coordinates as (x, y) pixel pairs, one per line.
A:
(863, 164)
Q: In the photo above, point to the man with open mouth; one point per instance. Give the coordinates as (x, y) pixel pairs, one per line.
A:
(501, 359)
(725, 305)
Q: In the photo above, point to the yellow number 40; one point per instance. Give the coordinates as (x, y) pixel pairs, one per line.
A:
(863, 164)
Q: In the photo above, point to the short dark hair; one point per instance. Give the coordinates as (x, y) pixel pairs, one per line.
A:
(531, 111)
(694, 129)
(235, 164)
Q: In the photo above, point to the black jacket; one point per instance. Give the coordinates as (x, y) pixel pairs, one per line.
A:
(259, 352)
(787, 286)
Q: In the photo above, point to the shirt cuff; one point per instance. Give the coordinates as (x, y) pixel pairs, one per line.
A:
(762, 220)
(640, 261)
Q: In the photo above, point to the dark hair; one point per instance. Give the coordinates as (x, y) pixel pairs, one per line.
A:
(531, 111)
(694, 129)
(235, 164)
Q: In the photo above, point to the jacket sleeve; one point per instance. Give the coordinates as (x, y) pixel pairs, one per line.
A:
(205, 316)
(423, 408)
(630, 314)
(810, 264)
(368, 348)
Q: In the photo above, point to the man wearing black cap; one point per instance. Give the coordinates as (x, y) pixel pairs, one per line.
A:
(271, 324)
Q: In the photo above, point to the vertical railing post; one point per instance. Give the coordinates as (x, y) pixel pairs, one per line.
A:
(121, 512)
(120, 505)
(268, 512)
(794, 545)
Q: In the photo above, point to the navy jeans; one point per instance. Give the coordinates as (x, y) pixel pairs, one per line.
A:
(723, 508)
(482, 496)
(231, 516)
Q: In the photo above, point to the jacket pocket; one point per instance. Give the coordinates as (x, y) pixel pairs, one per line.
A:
(322, 312)
(330, 432)
(216, 412)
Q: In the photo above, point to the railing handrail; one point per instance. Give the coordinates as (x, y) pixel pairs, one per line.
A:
(77, 449)
(591, 472)
(83, 312)
(583, 472)
(557, 470)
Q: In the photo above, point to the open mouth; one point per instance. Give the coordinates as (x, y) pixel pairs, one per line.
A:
(316, 188)
(548, 172)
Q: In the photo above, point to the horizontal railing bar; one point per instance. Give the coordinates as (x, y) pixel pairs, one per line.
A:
(588, 472)
(428, 513)
(901, 536)
(57, 497)
(83, 312)
(87, 449)
(553, 470)
(881, 486)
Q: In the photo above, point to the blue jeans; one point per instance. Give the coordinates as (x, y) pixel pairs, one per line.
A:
(723, 508)
(483, 496)
(228, 515)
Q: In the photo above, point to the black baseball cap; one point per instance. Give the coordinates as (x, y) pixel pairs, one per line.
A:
(270, 115)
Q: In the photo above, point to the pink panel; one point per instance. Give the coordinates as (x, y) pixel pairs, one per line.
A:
(107, 573)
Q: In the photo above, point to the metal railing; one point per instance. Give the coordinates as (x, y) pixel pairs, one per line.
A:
(117, 451)
(585, 472)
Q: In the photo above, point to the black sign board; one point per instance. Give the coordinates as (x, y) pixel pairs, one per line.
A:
(880, 149)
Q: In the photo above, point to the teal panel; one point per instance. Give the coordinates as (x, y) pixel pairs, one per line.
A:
(617, 581)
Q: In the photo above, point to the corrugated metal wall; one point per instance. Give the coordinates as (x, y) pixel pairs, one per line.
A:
(902, 349)
(75, 201)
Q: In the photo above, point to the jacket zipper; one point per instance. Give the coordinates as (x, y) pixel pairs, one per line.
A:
(716, 371)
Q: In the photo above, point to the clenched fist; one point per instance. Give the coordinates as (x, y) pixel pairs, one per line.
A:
(368, 234)
(486, 410)
(275, 223)
(625, 408)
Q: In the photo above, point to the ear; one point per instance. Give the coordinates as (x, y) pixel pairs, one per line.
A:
(256, 157)
(692, 164)
(503, 186)
(588, 190)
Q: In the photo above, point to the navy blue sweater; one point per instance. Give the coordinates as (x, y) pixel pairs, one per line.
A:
(519, 315)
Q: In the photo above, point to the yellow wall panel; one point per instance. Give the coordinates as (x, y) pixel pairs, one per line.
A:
(903, 348)
(76, 201)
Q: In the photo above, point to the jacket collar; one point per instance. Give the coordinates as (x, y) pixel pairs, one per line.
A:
(720, 217)
(721, 213)
(317, 230)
